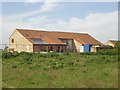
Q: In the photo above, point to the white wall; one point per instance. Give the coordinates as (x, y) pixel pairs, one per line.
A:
(79, 46)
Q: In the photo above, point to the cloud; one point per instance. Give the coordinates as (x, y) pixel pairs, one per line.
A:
(31, 1)
(48, 5)
(102, 26)
(11, 22)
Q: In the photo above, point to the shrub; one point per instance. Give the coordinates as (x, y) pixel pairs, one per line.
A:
(27, 59)
(6, 55)
(108, 52)
(61, 57)
(70, 63)
(14, 66)
(66, 53)
(22, 53)
(87, 53)
(52, 54)
(46, 55)
(15, 54)
(39, 55)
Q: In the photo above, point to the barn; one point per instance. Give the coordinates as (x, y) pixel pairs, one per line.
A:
(51, 41)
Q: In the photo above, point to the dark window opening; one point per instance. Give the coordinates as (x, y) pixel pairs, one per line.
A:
(51, 48)
(12, 40)
(58, 50)
(61, 50)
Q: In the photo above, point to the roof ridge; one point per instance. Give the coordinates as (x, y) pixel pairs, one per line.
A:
(50, 31)
(115, 40)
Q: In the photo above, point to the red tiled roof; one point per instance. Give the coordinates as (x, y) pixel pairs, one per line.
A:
(52, 37)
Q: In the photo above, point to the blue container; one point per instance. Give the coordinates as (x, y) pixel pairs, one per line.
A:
(87, 47)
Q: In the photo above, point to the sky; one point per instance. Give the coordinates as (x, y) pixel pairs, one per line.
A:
(99, 19)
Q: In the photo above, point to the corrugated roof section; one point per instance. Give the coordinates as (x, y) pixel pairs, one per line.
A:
(38, 41)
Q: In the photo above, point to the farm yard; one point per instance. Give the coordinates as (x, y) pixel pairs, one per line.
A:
(60, 70)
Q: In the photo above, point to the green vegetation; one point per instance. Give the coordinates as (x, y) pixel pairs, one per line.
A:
(65, 70)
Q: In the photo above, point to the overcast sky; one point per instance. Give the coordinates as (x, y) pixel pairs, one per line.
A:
(99, 19)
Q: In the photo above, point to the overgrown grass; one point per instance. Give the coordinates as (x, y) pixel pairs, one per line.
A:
(65, 70)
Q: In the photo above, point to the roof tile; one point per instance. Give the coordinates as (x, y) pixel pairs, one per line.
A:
(52, 37)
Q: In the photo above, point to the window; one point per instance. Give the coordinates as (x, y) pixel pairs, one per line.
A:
(51, 48)
(58, 49)
(12, 41)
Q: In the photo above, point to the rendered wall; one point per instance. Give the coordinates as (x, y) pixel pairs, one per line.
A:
(20, 43)
(109, 43)
(79, 46)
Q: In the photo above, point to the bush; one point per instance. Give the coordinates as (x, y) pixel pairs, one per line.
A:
(22, 53)
(39, 55)
(6, 55)
(61, 57)
(46, 55)
(27, 59)
(58, 66)
(66, 53)
(52, 54)
(108, 52)
(15, 54)
(14, 66)
(88, 53)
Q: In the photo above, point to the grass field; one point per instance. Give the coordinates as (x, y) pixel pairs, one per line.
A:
(66, 70)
